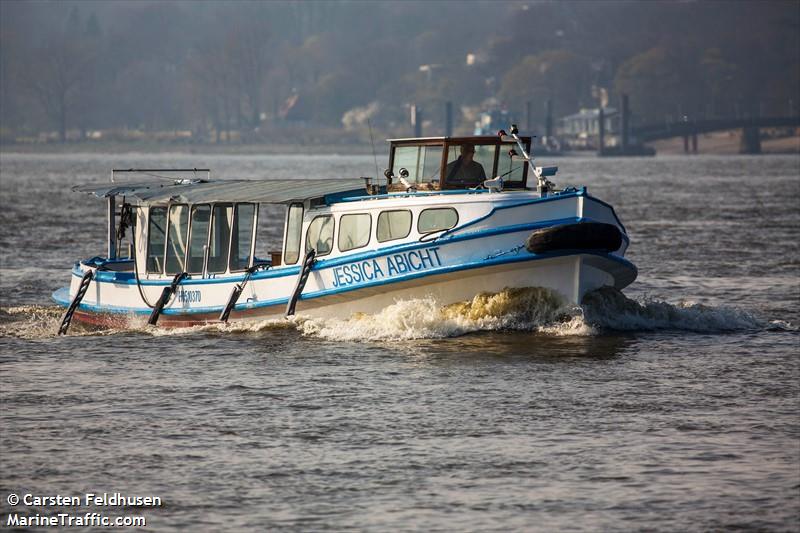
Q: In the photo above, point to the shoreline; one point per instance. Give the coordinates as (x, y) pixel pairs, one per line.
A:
(717, 143)
(189, 149)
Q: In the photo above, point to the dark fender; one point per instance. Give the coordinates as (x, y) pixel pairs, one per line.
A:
(582, 236)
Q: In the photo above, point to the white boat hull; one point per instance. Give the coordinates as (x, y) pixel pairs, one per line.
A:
(486, 254)
(572, 277)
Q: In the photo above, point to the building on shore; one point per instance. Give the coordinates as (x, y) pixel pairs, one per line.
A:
(582, 129)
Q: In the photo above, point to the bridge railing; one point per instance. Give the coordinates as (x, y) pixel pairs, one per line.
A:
(653, 132)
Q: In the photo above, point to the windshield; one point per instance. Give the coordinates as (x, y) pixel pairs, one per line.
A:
(422, 162)
(468, 164)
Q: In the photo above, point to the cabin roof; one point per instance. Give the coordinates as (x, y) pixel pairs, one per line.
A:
(205, 191)
(477, 139)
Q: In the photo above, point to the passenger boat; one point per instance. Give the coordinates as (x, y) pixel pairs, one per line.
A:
(182, 252)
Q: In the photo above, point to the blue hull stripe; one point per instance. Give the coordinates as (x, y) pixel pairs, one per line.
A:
(58, 296)
(578, 193)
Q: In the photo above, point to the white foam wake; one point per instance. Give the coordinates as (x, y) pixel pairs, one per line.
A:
(30, 321)
(219, 327)
(610, 309)
(425, 318)
(536, 310)
(530, 309)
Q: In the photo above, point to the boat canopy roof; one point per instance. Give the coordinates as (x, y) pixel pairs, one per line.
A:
(234, 190)
(475, 139)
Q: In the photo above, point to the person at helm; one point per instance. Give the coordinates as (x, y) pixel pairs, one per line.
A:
(465, 171)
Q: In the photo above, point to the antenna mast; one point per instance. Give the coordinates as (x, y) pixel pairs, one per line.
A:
(374, 156)
(543, 185)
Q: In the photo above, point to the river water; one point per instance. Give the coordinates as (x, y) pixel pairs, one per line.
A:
(671, 407)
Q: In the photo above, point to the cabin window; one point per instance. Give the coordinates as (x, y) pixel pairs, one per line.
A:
(431, 163)
(438, 219)
(294, 229)
(198, 238)
(469, 164)
(177, 233)
(393, 225)
(156, 239)
(422, 162)
(354, 231)
(220, 238)
(510, 167)
(319, 235)
(242, 236)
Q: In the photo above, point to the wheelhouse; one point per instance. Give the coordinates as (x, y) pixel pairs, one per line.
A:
(432, 162)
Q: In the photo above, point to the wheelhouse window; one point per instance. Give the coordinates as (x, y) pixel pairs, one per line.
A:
(294, 229)
(458, 162)
(511, 165)
(242, 236)
(319, 235)
(220, 238)
(469, 164)
(156, 239)
(422, 162)
(354, 231)
(198, 238)
(177, 234)
(437, 219)
(393, 225)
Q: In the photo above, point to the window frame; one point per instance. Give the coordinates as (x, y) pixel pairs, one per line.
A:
(438, 172)
(416, 160)
(192, 208)
(211, 232)
(410, 225)
(333, 235)
(339, 236)
(149, 236)
(419, 217)
(300, 241)
(522, 183)
(424, 144)
(252, 236)
(170, 207)
(476, 145)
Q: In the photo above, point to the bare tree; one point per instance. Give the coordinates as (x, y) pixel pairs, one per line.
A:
(55, 75)
(247, 51)
(212, 83)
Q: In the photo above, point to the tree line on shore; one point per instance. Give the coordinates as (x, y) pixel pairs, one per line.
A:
(252, 71)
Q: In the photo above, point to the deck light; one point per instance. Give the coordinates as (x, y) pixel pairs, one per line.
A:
(410, 187)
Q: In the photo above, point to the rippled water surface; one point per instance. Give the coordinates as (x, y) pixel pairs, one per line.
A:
(672, 407)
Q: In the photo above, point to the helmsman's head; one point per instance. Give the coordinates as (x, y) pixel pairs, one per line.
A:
(468, 151)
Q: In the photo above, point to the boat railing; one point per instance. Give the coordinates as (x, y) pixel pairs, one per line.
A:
(159, 172)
